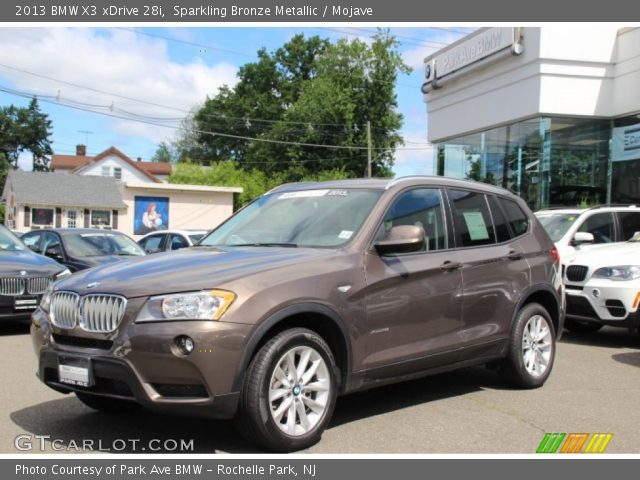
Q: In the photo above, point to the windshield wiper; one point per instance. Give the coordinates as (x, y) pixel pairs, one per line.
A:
(263, 244)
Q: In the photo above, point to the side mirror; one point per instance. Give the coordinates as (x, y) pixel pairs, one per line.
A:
(401, 239)
(583, 237)
(54, 252)
(34, 248)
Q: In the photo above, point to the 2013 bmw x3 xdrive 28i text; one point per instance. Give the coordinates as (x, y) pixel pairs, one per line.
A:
(312, 291)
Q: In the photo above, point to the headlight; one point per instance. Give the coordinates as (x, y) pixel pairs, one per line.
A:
(206, 305)
(619, 273)
(45, 301)
(65, 273)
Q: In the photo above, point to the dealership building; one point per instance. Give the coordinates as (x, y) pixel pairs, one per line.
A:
(552, 112)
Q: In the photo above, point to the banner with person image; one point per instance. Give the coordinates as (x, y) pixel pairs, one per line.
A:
(151, 214)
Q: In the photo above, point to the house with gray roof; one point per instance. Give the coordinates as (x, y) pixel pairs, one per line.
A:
(37, 200)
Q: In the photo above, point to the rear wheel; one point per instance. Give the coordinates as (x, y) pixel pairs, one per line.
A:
(289, 392)
(106, 404)
(532, 348)
(579, 326)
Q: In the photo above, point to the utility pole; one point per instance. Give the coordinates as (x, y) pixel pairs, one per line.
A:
(368, 149)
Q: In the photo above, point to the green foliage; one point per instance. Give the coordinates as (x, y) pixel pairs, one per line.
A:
(316, 92)
(2, 208)
(163, 154)
(253, 181)
(24, 129)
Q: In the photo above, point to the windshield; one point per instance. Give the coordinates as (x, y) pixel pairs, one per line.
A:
(305, 218)
(9, 242)
(558, 224)
(100, 244)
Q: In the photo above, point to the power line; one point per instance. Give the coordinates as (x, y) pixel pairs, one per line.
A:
(415, 41)
(51, 100)
(155, 104)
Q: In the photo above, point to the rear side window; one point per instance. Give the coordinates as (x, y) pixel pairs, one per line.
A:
(471, 219)
(518, 220)
(630, 223)
(499, 221)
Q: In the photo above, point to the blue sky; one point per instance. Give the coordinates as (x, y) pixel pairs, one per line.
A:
(143, 71)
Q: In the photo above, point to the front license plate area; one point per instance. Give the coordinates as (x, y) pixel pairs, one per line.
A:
(25, 303)
(75, 371)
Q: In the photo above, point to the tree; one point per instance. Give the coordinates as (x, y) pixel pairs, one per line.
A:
(24, 129)
(308, 91)
(163, 154)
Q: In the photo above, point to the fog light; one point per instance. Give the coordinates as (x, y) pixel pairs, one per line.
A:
(185, 344)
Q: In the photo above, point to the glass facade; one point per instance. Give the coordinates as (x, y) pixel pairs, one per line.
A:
(549, 161)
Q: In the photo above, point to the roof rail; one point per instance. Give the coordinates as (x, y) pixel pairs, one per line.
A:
(609, 205)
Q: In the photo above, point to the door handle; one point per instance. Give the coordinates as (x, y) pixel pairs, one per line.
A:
(513, 255)
(450, 266)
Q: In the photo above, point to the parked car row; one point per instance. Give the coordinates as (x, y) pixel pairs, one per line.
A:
(600, 252)
(312, 291)
(320, 289)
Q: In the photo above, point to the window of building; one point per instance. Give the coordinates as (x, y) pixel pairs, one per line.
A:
(42, 216)
(471, 219)
(422, 207)
(100, 218)
(117, 173)
(106, 171)
(72, 218)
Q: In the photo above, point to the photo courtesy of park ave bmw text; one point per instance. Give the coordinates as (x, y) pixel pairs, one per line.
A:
(316, 239)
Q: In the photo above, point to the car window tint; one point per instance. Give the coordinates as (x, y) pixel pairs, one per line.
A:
(152, 243)
(178, 242)
(499, 221)
(600, 225)
(422, 207)
(471, 219)
(518, 219)
(31, 239)
(50, 240)
(630, 223)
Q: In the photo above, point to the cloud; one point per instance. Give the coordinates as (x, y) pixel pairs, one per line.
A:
(414, 57)
(120, 62)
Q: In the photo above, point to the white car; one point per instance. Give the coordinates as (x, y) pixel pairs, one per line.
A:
(573, 229)
(167, 240)
(602, 286)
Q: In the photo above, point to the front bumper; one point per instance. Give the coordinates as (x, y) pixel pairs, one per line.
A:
(18, 307)
(142, 364)
(600, 301)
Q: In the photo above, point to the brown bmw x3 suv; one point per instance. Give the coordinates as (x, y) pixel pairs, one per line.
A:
(312, 291)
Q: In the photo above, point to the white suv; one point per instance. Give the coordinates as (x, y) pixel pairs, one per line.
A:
(602, 286)
(578, 227)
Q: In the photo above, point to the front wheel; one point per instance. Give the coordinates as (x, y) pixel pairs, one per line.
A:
(532, 348)
(289, 392)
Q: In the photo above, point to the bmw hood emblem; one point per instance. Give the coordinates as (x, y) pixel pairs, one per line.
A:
(93, 284)
(23, 273)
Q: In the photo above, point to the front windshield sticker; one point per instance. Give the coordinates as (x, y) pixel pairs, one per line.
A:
(304, 194)
(476, 226)
(345, 234)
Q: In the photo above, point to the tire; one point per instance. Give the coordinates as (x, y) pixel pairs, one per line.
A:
(578, 326)
(521, 368)
(106, 404)
(286, 421)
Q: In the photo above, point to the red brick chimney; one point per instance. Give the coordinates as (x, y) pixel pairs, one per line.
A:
(81, 150)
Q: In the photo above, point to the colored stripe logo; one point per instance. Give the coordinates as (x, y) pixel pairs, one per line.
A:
(574, 443)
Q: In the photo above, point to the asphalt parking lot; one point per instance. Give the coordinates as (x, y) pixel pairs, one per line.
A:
(593, 388)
